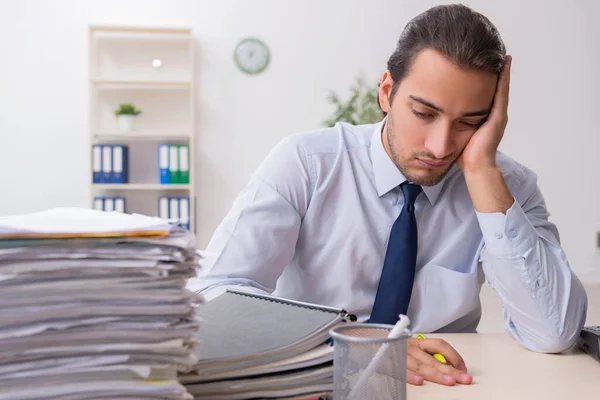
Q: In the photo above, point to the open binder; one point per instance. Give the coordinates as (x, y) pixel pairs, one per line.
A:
(248, 332)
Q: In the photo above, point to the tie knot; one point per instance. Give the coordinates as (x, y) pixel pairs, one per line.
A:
(410, 192)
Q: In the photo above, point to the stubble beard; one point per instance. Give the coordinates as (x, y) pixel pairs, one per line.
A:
(433, 178)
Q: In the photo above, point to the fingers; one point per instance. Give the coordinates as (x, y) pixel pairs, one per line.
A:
(426, 359)
(428, 372)
(422, 366)
(432, 346)
(500, 105)
(504, 82)
(414, 379)
(460, 376)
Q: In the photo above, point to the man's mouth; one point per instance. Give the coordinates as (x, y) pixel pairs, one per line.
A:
(433, 164)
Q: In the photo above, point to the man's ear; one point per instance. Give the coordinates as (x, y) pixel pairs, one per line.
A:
(384, 91)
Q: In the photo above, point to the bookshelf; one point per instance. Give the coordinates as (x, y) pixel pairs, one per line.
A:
(153, 69)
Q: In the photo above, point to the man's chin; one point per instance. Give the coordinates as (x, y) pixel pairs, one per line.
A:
(426, 177)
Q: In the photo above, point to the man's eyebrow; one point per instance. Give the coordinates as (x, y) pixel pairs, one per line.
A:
(479, 113)
(426, 103)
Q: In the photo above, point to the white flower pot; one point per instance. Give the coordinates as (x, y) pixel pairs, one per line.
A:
(126, 122)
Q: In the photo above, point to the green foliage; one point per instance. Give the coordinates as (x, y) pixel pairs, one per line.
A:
(361, 108)
(126, 109)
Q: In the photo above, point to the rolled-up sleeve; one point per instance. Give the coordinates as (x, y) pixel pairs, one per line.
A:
(544, 302)
(257, 238)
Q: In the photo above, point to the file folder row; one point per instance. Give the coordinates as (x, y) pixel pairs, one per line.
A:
(109, 204)
(110, 163)
(175, 209)
(174, 163)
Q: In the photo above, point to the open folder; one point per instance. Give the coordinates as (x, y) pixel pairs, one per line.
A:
(243, 330)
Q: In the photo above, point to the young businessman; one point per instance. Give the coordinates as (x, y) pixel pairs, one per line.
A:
(409, 215)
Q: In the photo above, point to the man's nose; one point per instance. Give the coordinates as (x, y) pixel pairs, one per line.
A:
(439, 141)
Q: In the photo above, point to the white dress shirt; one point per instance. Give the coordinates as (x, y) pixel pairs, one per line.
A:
(314, 220)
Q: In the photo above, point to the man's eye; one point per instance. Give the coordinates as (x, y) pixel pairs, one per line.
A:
(475, 125)
(421, 115)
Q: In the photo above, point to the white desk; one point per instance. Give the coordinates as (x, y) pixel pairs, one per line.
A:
(502, 369)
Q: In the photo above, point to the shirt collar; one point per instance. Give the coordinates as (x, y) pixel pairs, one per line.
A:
(388, 176)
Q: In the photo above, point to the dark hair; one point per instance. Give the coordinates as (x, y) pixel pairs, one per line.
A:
(463, 35)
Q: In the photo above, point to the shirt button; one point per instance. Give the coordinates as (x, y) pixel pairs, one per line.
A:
(512, 233)
(498, 235)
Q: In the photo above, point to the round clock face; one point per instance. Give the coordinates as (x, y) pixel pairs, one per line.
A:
(251, 55)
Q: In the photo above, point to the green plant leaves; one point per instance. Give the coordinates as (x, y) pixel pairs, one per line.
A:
(127, 109)
(361, 108)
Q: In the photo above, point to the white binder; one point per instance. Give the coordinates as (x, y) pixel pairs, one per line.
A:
(163, 207)
(184, 212)
(97, 163)
(163, 163)
(98, 204)
(173, 163)
(118, 167)
(184, 164)
(174, 208)
(120, 204)
(109, 204)
(106, 164)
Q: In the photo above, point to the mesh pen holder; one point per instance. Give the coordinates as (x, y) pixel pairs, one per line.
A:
(355, 348)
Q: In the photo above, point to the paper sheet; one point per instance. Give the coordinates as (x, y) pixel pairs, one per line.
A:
(79, 221)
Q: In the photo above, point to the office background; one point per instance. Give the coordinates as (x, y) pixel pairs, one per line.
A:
(316, 46)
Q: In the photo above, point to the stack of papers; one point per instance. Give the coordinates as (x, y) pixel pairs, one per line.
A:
(94, 306)
(261, 346)
(311, 372)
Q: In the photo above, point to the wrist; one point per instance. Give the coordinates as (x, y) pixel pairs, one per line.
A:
(488, 189)
(481, 170)
(476, 164)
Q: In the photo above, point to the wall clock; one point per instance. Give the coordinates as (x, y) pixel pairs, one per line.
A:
(251, 55)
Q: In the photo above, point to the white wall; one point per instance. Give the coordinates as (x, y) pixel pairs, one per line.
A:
(316, 45)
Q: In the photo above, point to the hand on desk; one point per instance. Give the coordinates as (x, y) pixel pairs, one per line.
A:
(421, 366)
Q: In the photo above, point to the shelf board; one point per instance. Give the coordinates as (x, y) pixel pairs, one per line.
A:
(141, 136)
(121, 34)
(117, 84)
(140, 186)
(139, 29)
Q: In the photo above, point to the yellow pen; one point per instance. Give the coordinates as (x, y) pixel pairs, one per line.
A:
(437, 356)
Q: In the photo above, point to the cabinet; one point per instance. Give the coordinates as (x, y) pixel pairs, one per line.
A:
(153, 69)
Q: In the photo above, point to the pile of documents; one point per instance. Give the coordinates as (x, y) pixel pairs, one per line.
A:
(94, 305)
(306, 376)
(260, 346)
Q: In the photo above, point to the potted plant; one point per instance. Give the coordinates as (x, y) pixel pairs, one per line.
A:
(360, 108)
(126, 114)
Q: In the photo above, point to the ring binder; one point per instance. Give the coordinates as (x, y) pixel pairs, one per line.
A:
(243, 329)
(349, 317)
(253, 341)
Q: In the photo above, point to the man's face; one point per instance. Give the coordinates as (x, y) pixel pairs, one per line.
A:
(435, 111)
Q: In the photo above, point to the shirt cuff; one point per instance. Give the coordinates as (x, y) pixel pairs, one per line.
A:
(508, 235)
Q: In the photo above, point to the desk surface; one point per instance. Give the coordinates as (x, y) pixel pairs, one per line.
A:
(502, 369)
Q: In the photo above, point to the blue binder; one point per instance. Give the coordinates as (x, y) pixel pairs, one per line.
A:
(109, 204)
(174, 208)
(99, 203)
(120, 164)
(97, 163)
(163, 163)
(106, 176)
(163, 207)
(184, 212)
(120, 204)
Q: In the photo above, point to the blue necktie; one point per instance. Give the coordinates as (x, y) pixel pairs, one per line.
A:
(398, 274)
